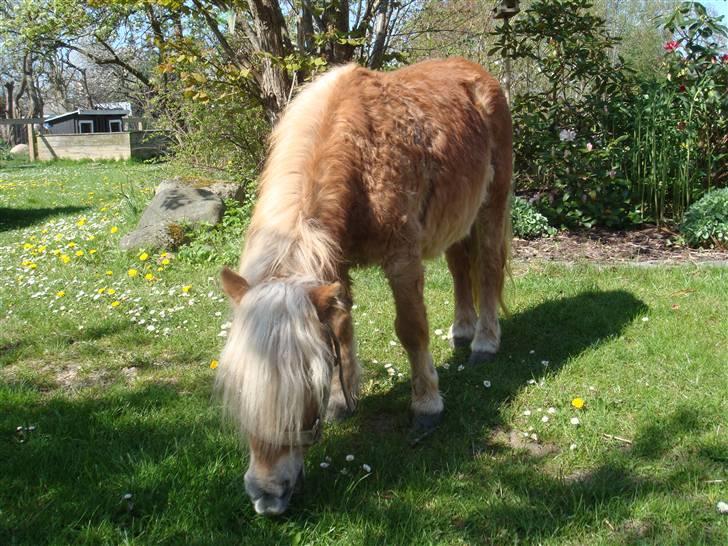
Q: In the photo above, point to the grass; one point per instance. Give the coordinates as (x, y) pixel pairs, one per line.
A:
(116, 400)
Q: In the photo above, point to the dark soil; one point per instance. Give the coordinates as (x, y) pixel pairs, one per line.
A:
(644, 245)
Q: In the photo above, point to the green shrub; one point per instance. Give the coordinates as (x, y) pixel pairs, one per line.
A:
(706, 221)
(527, 222)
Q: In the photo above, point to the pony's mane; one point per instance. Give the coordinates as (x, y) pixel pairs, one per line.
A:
(286, 236)
(275, 362)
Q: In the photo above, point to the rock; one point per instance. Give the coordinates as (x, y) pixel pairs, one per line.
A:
(19, 149)
(171, 184)
(228, 190)
(148, 237)
(173, 204)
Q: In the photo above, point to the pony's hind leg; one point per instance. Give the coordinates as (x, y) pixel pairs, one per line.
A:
(407, 282)
(344, 396)
(462, 330)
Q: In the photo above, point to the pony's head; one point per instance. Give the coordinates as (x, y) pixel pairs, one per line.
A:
(275, 376)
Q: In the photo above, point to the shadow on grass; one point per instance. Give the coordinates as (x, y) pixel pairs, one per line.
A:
(20, 218)
(166, 447)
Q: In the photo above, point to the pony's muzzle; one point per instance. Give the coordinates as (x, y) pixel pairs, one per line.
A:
(273, 502)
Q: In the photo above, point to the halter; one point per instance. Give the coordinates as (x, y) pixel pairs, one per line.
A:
(311, 436)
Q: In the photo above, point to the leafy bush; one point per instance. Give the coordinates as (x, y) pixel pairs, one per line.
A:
(706, 221)
(220, 244)
(527, 222)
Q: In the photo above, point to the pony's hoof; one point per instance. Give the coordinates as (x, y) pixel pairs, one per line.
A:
(460, 342)
(480, 357)
(337, 412)
(423, 424)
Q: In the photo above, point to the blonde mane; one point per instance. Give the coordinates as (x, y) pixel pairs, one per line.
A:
(275, 362)
(284, 238)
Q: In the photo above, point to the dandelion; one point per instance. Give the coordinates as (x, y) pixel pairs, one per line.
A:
(60, 293)
(101, 290)
(213, 364)
(81, 222)
(104, 209)
(578, 403)
(92, 251)
(115, 303)
(71, 245)
(114, 229)
(65, 258)
(58, 237)
(366, 468)
(186, 288)
(79, 253)
(132, 273)
(111, 291)
(28, 246)
(575, 421)
(149, 277)
(545, 419)
(165, 261)
(143, 256)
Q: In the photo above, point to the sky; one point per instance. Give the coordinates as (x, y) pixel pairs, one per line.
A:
(720, 6)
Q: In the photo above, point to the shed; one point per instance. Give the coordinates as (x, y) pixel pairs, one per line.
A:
(86, 121)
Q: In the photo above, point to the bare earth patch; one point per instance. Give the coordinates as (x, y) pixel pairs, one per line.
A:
(644, 245)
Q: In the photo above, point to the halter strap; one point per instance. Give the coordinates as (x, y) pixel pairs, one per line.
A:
(310, 436)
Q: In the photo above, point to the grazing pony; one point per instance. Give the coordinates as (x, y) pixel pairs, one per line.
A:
(386, 168)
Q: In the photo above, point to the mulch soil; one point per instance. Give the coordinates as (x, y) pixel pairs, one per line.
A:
(647, 245)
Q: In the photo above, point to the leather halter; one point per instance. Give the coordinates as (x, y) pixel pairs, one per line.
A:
(311, 436)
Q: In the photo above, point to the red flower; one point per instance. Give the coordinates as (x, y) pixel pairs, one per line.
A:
(682, 88)
(671, 46)
(724, 57)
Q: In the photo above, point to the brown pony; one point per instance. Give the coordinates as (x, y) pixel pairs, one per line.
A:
(386, 168)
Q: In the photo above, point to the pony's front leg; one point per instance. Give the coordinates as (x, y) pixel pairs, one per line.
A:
(343, 398)
(407, 282)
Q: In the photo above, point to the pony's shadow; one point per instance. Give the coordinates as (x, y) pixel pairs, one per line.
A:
(536, 342)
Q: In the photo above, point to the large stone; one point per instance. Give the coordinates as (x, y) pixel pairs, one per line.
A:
(19, 150)
(174, 204)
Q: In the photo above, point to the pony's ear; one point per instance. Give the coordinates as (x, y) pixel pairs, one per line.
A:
(325, 299)
(233, 284)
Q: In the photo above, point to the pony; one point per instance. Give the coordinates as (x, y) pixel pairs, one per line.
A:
(364, 168)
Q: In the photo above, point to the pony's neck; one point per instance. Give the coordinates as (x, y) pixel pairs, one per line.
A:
(300, 216)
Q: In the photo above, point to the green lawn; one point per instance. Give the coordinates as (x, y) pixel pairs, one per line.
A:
(100, 399)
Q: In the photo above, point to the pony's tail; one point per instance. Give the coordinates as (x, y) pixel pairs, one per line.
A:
(490, 239)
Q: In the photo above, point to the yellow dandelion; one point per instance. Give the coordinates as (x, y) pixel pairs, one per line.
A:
(213, 364)
(81, 222)
(163, 254)
(27, 246)
(109, 273)
(41, 249)
(71, 245)
(92, 251)
(186, 288)
(111, 291)
(44, 231)
(104, 209)
(65, 258)
(144, 256)
(91, 237)
(160, 269)
(114, 229)
(57, 252)
(115, 303)
(165, 261)
(149, 277)
(60, 293)
(132, 272)
(79, 253)
(578, 403)
(101, 290)
(58, 237)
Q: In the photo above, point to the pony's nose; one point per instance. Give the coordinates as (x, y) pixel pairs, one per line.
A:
(268, 505)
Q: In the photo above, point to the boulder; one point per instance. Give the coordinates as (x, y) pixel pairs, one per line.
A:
(19, 150)
(173, 204)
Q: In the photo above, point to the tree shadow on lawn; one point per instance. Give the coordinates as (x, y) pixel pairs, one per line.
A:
(502, 494)
(11, 218)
